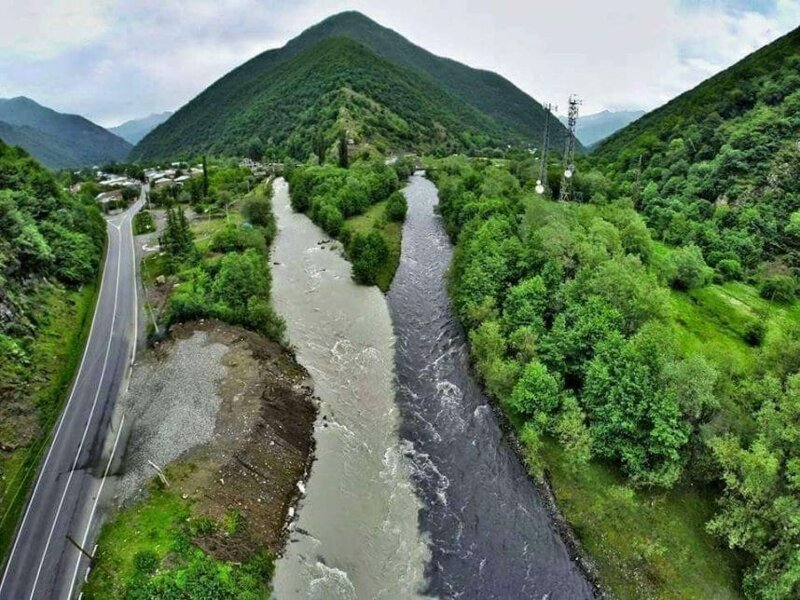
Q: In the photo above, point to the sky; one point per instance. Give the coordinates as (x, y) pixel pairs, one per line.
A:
(112, 60)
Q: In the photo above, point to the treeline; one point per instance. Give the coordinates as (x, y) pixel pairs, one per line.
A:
(330, 195)
(568, 312)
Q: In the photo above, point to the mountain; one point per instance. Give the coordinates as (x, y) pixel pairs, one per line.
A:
(134, 130)
(358, 74)
(598, 126)
(58, 140)
(719, 166)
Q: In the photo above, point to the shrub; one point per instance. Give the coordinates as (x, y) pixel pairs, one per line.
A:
(754, 333)
(782, 288)
(232, 238)
(397, 207)
(143, 223)
(690, 268)
(368, 253)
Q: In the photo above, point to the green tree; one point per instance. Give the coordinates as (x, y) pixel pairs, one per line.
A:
(368, 253)
(344, 159)
(536, 394)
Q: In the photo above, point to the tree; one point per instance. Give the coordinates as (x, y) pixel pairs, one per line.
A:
(689, 268)
(368, 253)
(632, 417)
(536, 394)
(397, 207)
(344, 159)
(320, 146)
(205, 177)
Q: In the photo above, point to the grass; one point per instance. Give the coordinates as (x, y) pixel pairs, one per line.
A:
(150, 550)
(152, 526)
(66, 317)
(645, 544)
(375, 218)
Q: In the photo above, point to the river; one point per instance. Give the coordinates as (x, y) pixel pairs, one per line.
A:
(414, 491)
(490, 533)
(356, 534)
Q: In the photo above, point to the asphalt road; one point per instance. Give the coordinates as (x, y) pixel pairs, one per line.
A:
(43, 564)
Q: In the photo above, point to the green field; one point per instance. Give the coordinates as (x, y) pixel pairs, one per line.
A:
(148, 550)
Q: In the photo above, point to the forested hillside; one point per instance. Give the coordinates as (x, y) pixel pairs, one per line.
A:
(349, 72)
(719, 166)
(642, 388)
(58, 140)
(50, 249)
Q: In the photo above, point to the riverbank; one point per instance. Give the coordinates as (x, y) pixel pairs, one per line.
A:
(228, 416)
(530, 333)
(493, 533)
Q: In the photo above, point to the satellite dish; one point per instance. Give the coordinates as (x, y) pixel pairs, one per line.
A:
(567, 173)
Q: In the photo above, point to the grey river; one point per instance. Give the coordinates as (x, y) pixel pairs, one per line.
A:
(414, 491)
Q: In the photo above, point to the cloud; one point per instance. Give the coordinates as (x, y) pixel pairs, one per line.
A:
(44, 28)
(119, 59)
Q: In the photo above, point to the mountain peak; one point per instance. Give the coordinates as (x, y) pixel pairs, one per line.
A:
(455, 104)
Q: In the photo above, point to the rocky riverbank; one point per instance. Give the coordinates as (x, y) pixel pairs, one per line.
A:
(228, 416)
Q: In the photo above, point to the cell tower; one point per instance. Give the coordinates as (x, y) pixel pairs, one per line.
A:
(569, 150)
(541, 183)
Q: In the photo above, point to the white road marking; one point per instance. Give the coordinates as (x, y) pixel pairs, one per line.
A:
(85, 430)
(94, 509)
(60, 423)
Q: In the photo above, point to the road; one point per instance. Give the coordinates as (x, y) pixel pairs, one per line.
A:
(43, 564)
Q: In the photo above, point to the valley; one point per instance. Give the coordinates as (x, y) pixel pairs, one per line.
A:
(347, 325)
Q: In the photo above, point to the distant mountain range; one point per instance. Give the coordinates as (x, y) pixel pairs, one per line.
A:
(55, 139)
(134, 130)
(598, 126)
(350, 73)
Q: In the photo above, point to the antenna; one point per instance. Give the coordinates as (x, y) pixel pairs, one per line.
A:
(569, 150)
(541, 183)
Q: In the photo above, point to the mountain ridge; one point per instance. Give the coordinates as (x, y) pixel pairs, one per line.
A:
(58, 140)
(133, 130)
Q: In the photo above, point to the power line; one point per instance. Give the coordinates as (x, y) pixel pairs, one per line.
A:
(569, 149)
(541, 183)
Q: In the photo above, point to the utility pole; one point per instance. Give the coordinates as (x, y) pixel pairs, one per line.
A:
(541, 183)
(569, 149)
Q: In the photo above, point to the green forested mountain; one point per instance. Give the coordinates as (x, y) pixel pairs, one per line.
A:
(349, 71)
(720, 165)
(55, 139)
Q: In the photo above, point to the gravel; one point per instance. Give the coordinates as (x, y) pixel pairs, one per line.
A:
(172, 405)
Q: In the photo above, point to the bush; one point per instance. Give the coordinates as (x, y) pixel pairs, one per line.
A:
(690, 268)
(232, 238)
(397, 207)
(143, 223)
(368, 253)
(730, 269)
(258, 211)
(754, 333)
(782, 288)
